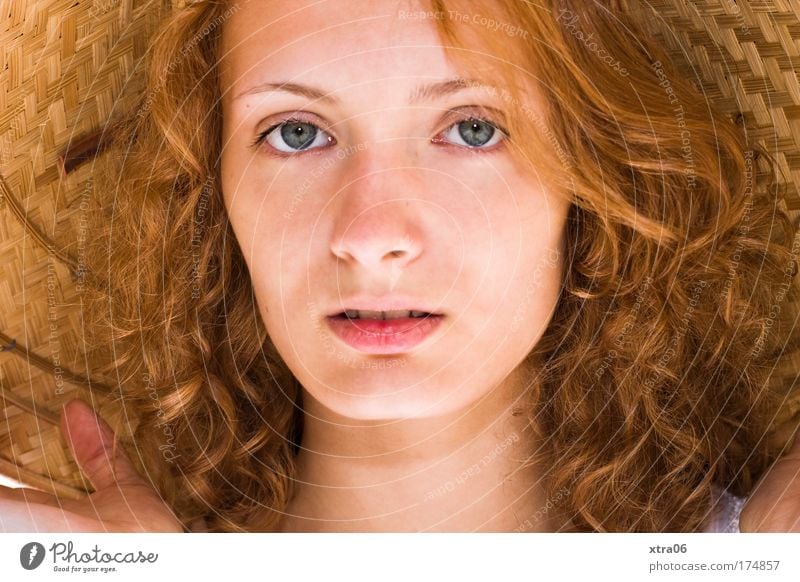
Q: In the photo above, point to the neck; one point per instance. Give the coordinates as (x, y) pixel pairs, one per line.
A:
(469, 471)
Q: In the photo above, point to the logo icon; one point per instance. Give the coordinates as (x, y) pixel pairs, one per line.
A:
(31, 555)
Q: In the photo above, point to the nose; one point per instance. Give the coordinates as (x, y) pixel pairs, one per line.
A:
(378, 222)
(385, 251)
(376, 235)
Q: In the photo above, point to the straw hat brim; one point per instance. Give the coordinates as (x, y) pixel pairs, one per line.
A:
(73, 68)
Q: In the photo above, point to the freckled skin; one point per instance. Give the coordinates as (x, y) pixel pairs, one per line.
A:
(385, 209)
(473, 230)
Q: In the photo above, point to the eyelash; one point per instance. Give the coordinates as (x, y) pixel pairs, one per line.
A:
(260, 140)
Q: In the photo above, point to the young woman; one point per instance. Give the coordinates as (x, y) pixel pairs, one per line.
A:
(406, 266)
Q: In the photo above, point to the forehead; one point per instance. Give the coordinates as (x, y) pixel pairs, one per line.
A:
(344, 42)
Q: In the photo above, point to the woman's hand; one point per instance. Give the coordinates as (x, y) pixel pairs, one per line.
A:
(121, 503)
(774, 505)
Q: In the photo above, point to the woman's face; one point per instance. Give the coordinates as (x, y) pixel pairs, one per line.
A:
(381, 196)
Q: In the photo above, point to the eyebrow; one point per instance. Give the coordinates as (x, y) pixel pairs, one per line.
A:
(420, 94)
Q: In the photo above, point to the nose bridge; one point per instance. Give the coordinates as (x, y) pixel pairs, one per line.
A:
(375, 214)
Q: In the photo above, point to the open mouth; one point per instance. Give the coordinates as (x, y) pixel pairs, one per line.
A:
(384, 332)
(382, 315)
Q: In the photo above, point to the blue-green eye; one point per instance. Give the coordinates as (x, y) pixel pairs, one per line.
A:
(293, 135)
(474, 132)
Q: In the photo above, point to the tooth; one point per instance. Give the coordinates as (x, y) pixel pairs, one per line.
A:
(396, 314)
(366, 314)
(370, 315)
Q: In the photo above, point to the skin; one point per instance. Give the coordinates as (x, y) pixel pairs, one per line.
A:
(123, 501)
(391, 448)
(476, 237)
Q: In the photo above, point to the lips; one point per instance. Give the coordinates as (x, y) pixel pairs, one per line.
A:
(386, 325)
(385, 336)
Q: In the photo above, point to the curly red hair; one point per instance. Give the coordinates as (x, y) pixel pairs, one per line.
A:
(652, 378)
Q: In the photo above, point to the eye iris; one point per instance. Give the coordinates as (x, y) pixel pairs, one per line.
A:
(298, 135)
(475, 132)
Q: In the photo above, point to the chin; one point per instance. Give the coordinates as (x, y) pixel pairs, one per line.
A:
(391, 407)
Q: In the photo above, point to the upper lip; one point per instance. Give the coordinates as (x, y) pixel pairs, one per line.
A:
(394, 303)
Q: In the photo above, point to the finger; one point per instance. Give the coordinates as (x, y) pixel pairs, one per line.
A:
(795, 448)
(91, 440)
(25, 494)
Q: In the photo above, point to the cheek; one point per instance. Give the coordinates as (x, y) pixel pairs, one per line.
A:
(261, 233)
(257, 202)
(523, 269)
(524, 238)
(522, 293)
(539, 291)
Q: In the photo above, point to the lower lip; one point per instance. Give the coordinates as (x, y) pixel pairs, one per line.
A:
(385, 336)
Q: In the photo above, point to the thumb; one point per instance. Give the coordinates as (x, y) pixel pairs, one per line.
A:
(795, 448)
(91, 441)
